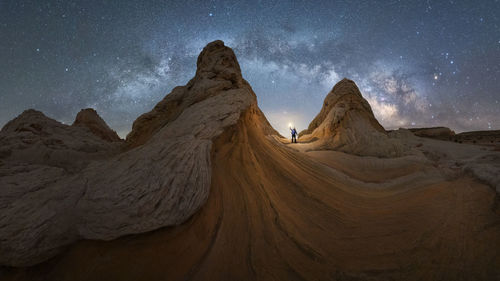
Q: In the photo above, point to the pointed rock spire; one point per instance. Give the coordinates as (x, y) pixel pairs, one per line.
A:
(217, 71)
(89, 118)
(217, 61)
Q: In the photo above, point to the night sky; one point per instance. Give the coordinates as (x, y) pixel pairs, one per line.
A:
(418, 63)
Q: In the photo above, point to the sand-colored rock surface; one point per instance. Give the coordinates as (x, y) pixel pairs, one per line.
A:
(217, 71)
(89, 118)
(276, 214)
(346, 123)
(279, 211)
(159, 183)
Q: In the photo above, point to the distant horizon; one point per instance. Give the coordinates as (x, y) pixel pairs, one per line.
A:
(285, 132)
(421, 64)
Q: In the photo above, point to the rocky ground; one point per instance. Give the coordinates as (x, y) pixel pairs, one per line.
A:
(486, 138)
(204, 189)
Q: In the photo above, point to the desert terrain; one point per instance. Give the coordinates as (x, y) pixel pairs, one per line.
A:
(203, 188)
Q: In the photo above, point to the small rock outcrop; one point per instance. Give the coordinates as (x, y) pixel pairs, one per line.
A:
(346, 123)
(35, 139)
(440, 133)
(490, 137)
(89, 118)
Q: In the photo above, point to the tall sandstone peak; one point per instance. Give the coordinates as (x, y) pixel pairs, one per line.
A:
(274, 212)
(89, 118)
(346, 123)
(217, 70)
(161, 180)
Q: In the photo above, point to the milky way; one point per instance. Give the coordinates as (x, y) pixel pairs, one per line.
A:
(418, 63)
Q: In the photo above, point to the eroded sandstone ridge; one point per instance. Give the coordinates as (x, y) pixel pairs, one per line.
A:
(346, 123)
(48, 200)
(275, 210)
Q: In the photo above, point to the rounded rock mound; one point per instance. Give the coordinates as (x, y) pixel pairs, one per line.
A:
(346, 123)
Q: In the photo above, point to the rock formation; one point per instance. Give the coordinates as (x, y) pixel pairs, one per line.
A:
(346, 123)
(161, 180)
(217, 71)
(34, 139)
(491, 137)
(440, 133)
(264, 209)
(89, 118)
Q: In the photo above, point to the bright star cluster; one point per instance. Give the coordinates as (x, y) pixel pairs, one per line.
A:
(418, 63)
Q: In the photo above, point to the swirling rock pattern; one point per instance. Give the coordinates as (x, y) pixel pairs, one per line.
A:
(70, 182)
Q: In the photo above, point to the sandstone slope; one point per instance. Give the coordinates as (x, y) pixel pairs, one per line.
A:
(277, 214)
(346, 123)
(273, 212)
(161, 180)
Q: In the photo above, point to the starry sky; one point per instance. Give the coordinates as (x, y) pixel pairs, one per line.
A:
(418, 63)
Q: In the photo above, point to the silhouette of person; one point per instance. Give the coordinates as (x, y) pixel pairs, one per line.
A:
(294, 135)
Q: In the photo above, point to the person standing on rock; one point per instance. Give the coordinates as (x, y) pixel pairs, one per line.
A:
(294, 135)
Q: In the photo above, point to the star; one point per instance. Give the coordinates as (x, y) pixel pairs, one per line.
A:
(301, 50)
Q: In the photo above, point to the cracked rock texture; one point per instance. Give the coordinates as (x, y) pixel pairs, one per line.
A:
(275, 210)
(105, 189)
